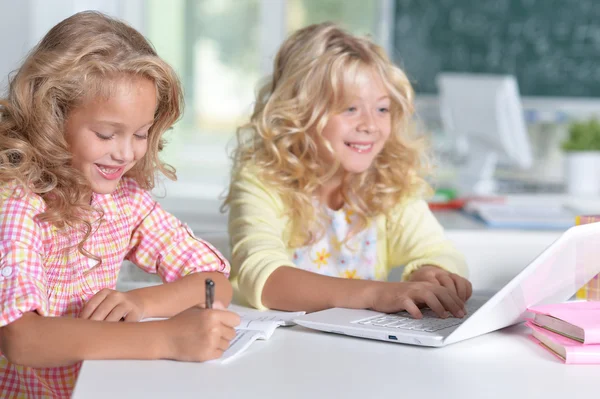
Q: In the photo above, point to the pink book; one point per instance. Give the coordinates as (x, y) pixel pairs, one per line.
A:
(577, 320)
(569, 351)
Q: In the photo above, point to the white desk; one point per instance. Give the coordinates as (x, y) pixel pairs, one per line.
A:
(300, 363)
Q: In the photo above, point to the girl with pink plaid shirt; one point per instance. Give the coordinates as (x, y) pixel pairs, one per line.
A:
(80, 132)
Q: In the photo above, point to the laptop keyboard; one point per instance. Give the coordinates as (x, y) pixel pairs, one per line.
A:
(430, 322)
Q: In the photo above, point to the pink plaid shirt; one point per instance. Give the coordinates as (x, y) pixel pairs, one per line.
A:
(40, 272)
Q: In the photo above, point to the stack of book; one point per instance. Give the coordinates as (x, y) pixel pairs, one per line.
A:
(570, 331)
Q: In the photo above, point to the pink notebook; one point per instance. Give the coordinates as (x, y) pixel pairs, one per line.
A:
(569, 351)
(576, 320)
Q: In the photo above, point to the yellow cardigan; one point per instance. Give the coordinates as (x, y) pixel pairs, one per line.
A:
(259, 232)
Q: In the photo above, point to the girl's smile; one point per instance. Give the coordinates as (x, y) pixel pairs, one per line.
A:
(360, 147)
(110, 173)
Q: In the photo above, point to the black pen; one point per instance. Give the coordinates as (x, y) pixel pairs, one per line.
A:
(209, 287)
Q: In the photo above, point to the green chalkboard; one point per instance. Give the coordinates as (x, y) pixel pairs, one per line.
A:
(551, 46)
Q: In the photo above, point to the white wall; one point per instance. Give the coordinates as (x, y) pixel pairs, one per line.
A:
(14, 28)
(24, 22)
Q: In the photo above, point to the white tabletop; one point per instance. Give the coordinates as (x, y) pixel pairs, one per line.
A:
(300, 363)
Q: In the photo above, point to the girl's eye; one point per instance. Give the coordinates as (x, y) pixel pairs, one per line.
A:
(141, 136)
(384, 109)
(351, 109)
(103, 136)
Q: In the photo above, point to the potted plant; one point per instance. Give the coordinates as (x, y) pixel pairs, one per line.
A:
(582, 158)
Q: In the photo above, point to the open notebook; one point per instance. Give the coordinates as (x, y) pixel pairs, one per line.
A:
(538, 211)
(255, 325)
(523, 216)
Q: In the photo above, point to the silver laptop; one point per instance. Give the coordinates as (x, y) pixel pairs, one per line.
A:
(554, 276)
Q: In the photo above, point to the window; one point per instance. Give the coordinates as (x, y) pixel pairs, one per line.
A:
(357, 16)
(213, 46)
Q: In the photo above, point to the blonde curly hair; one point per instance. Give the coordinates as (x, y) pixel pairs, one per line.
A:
(82, 57)
(314, 73)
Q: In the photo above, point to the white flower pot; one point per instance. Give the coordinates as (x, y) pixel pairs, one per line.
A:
(582, 173)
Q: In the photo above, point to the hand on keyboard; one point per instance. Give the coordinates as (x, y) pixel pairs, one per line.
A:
(433, 274)
(394, 297)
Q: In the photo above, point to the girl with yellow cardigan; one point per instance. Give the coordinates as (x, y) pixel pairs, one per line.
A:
(326, 188)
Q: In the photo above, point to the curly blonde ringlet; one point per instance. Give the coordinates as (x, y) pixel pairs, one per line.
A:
(82, 58)
(315, 75)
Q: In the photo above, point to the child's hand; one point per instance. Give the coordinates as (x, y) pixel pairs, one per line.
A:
(199, 335)
(395, 297)
(433, 274)
(111, 305)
